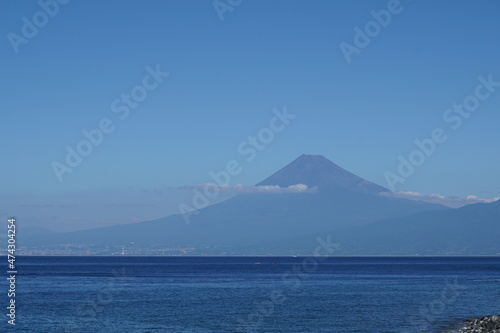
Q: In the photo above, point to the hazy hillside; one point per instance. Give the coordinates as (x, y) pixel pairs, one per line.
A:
(340, 200)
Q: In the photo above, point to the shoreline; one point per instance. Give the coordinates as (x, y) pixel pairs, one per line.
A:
(487, 324)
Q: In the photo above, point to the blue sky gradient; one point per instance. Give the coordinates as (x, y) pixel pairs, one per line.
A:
(225, 78)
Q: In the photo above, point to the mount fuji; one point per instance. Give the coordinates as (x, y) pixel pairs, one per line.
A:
(248, 223)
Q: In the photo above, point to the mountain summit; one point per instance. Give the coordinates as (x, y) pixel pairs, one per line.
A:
(318, 171)
(259, 223)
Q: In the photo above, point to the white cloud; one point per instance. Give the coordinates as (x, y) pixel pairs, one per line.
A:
(297, 188)
(453, 202)
(48, 205)
(129, 204)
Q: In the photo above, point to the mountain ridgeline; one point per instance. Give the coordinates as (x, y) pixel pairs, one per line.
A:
(318, 171)
(348, 208)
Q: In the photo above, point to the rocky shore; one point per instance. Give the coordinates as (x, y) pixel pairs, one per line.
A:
(489, 324)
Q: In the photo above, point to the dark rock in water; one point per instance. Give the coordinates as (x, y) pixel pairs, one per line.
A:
(489, 324)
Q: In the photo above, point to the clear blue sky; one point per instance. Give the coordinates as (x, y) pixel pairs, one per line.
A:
(225, 78)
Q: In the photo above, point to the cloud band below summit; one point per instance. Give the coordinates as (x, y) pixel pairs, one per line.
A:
(297, 188)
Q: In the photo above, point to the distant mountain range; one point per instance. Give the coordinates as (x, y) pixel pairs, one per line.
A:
(471, 230)
(345, 206)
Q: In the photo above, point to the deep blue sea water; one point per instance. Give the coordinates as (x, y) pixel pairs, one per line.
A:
(252, 294)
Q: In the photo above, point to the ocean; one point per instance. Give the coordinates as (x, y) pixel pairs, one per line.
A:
(252, 294)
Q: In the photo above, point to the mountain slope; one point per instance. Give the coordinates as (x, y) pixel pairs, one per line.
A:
(341, 200)
(472, 229)
(318, 171)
